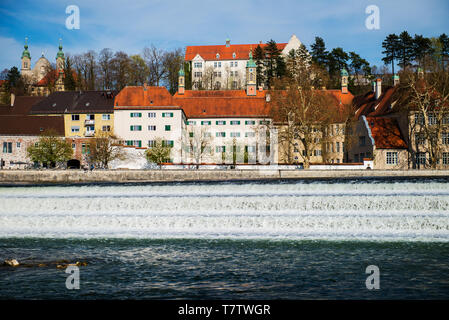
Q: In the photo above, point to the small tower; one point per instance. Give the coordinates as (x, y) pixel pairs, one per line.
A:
(181, 80)
(395, 80)
(251, 76)
(344, 81)
(26, 59)
(60, 64)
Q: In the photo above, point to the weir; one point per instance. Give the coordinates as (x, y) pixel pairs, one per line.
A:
(380, 211)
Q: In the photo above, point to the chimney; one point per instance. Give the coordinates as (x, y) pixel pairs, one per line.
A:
(228, 42)
(378, 91)
(144, 86)
(260, 88)
(268, 97)
(13, 99)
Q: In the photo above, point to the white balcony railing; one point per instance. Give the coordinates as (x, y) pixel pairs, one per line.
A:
(89, 122)
(89, 133)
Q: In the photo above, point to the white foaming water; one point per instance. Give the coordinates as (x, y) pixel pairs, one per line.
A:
(339, 211)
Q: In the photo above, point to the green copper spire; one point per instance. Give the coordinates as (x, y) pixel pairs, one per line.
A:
(25, 52)
(181, 72)
(344, 73)
(60, 54)
(250, 63)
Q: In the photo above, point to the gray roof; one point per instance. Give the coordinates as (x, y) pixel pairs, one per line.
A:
(76, 102)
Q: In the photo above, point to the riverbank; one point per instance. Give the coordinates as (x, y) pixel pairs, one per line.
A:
(8, 177)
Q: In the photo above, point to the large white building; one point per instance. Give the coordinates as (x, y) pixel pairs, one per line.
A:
(223, 66)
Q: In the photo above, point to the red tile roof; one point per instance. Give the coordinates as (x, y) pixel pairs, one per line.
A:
(386, 133)
(226, 53)
(367, 105)
(136, 96)
(226, 103)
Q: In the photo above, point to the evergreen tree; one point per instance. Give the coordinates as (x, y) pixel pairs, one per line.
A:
(391, 46)
(405, 49)
(69, 81)
(259, 58)
(444, 41)
(338, 60)
(422, 47)
(272, 54)
(319, 53)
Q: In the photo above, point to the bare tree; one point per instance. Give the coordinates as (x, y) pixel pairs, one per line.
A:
(173, 62)
(105, 68)
(198, 143)
(154, 58)
(104, 148)
(120, 66)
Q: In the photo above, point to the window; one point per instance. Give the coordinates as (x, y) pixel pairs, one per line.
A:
(264, 122)
(445, 137)
(167, 128)
(220, 123)
(362, 141)
(235, 134)
(18, 145)
(197, 64)
(220, 149)
(7, 147)
(236, 63)
(151, 143)
(167, 143)
(250, 148)
(419, 118)
(135, 143)
(75, 117)
(90, 117)
(85, 149)
(167, 115)
(421, 158)
(106, 128)
(198, 74)
(206, 134)
(250, 122)
(106, 117)
(135, 128)
(75, 129)
(235, 122)
(338, 146)
(151, 128)
(151, 114)
(250, 134)
(73, 146)
(192, 123)
(392, 158)
(220, 134)
(446, 158)
(432, 119)
(419, 138)
(317, 152)
(136, 115)
(205, 123)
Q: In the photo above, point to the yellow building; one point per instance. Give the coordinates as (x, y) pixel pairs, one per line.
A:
(88, 124)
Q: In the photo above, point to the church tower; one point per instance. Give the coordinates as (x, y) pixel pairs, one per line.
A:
(251, 76)
(181, 81)
(60, 64)
(26, 60)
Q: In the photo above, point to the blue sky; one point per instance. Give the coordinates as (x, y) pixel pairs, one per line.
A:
(131, 25)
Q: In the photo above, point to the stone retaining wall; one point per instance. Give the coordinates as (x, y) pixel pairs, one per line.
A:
(122, 176)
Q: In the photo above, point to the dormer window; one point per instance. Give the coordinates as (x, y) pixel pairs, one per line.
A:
(54, 104)
(218, 56)
(234, 55)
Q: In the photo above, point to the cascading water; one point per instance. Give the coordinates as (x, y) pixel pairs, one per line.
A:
(320, 210)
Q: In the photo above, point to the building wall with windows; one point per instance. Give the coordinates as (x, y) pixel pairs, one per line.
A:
(88, 124)
(14, 150)
(229, 140)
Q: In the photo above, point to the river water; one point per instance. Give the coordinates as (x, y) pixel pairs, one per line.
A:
(236, 240)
